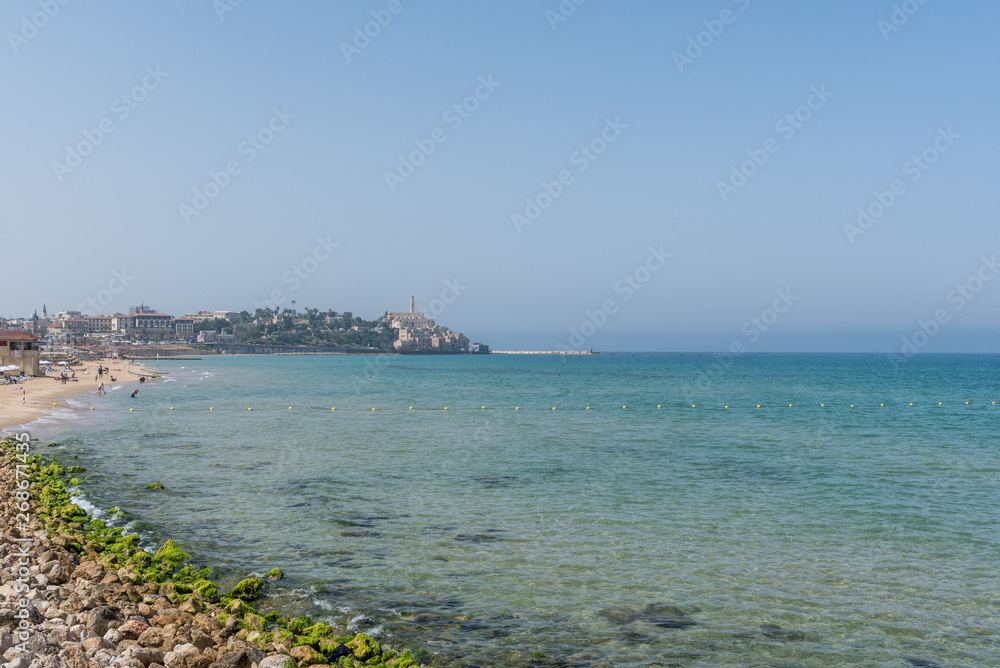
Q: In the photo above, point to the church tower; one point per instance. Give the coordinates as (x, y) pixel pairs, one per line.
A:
(411, 304)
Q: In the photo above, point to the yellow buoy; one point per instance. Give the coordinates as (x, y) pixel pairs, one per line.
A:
(911, 404)
(249, 409)
(852, 405)
(822, 405)
(289, 408)
(692, 405)
(517, 408)
(92, 408)
(939, 403)
(411, 408)
(789, 405)
(171, 408)
(623, 408)
(53, 404)
(727, 406)
(446, 408)
(588, 408)
(758, 405)
(334, 408)
(131, 409)
(966, 403)
(211, 408)
(373, 409)
(553, 408)
(883, 405)
(484, 407)
(658, 406)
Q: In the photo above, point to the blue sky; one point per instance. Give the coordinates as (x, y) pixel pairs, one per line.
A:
(332, 126)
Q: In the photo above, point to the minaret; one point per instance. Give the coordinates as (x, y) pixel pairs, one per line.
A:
(411, 303)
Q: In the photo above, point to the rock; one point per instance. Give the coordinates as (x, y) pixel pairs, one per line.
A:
(307, 655)
(103, 618)
(74, 658)
(775, 632)
(145, 655)
(189, 606)
(151, 637)
(201, 640)
(274, 574)
(277, 661)
(89, 570)
(114, 636)
(239, 659)
(339, 651)
(91, 645)
(6, 640)
(364, 647)
(248, 590)
(185, 656)
(19, 662)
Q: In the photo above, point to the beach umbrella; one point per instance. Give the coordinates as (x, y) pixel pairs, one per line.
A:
(44, 362)
(64, 362)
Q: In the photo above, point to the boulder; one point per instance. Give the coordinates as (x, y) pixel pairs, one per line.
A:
(307, 655)
(277, 661)
(89, 570)
(240, 659)
(364, 647)
(74, 658)
(103, 618)
(185, 656)
(145, 655)
(132, 629)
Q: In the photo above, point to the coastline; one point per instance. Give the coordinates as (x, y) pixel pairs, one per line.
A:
(40, 393)
(90, 594)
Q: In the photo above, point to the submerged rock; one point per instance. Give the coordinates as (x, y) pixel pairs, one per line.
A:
(775, 632)
(248, 590)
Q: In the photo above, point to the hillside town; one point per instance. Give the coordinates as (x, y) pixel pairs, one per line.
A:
(226, 331)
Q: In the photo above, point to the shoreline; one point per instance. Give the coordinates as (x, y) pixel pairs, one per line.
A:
(90, 594)
(41, 392)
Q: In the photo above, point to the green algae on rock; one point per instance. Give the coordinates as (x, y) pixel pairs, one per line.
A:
(247, 590)
(274, 574)
(155, 485)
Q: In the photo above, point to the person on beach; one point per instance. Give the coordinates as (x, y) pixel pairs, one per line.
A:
(100, 390)
(134, 393)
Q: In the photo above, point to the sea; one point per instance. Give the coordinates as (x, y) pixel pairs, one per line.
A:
(625, 509)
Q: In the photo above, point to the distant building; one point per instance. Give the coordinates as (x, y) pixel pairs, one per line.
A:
(21, 349)
(184, 328)
(98, 324)
(144, 325)
(57, 333)
(418, 333)
(480, 348)
(216, 337)
(140, 309)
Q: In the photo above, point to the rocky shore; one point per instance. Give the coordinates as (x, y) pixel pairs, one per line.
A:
(75, 593)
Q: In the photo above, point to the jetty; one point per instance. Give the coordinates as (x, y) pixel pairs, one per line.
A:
(543, 352)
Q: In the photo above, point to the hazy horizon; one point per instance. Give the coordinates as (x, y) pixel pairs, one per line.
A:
(649, 176)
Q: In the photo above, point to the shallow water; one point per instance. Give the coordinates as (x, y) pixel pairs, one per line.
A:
(705, 536)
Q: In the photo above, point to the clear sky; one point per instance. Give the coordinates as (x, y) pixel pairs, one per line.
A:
(354, 181)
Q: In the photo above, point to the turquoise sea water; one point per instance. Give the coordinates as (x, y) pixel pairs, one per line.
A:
(641, 536)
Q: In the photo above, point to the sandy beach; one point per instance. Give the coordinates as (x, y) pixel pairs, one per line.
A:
(24, 403)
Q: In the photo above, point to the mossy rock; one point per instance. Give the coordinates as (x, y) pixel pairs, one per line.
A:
(204, 588)
(73, 512)
(155, 485)
(274, 574)
(299, 625)
(75, 469)
(406, 660)
(75, 482)
(171, 555)
(248, 590)
(364, 647)
(96, 525)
